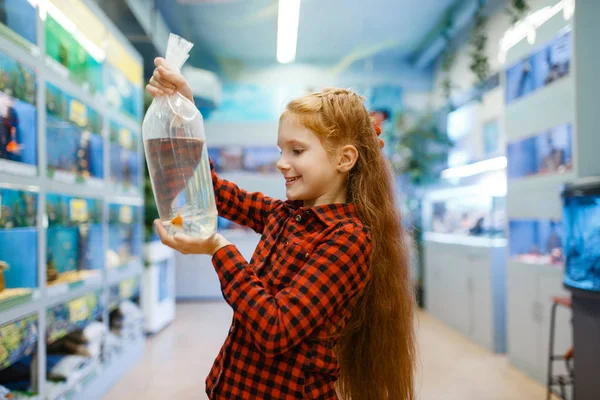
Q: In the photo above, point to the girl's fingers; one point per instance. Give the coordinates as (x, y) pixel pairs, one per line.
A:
(160, 61)
(164, 236)
(164, 82)
(158, 85)
(172, 77)
(154, 92)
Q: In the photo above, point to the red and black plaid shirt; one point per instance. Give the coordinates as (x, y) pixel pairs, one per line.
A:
(293, 298)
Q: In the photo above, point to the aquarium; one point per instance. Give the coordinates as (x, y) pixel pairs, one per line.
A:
(73, 315)
(18, 118)
(125, 235)
(18, 343)
(548, 152)
(74, 237)
(464, 212)
(18, 245)
(581, 213)
(18, 21)
(66, 52)
(121, 93)
(536, 241)
(124, 157)
(73, 136)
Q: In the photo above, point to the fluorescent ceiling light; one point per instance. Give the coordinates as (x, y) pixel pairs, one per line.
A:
(526, 28)
(47, 8)
(287, 30)
(475, 169)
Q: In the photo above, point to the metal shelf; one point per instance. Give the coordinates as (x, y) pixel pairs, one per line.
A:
(36, 179)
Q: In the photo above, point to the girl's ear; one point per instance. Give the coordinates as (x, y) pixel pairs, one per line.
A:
(348, 155)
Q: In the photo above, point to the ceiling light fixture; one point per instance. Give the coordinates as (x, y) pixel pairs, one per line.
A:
(477, 168)
(287, 30)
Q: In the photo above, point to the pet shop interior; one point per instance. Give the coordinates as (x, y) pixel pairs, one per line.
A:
(487, 114)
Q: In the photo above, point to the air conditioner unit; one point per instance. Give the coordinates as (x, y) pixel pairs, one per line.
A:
(205, 84)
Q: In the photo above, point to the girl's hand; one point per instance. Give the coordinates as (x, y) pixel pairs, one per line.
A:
(190, 245)
(166, 81)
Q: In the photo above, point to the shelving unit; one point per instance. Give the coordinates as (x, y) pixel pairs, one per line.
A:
(540, 115)
(126, 277)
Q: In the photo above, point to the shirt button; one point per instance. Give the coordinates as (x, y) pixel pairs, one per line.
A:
(307, 255)
(299, 218)
(286, 243)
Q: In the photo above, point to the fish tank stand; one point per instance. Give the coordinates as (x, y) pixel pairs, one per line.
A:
(586, 331)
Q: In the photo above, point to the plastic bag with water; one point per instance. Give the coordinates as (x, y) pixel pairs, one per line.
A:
(177, 157)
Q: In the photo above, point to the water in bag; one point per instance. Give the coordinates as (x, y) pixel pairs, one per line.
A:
(177, 158)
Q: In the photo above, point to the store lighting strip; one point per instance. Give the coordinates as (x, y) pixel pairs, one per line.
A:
(463, 171)
(287, 30)
(526, 28)
(47, 8)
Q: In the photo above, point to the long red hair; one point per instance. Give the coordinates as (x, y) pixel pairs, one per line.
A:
(376, 350)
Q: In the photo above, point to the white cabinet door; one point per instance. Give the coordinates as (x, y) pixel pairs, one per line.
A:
(481, 298)
(432, 281)
(522, 317)
(455, 275)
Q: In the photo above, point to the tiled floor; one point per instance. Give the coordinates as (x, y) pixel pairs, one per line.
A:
(178, 359)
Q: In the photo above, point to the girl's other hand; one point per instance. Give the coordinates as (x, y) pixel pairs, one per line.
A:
(190, 245)
(166, 81)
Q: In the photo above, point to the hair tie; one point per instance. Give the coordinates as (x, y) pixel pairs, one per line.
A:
(378, 132)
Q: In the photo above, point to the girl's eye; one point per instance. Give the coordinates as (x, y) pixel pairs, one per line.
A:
(298, 152)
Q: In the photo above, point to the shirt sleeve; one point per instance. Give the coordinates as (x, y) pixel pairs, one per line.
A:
(337, 270)
(249, 209)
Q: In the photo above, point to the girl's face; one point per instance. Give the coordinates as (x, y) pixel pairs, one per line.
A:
(311, 174)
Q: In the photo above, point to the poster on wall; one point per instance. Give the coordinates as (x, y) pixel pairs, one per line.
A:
(536, 241)
(254, 160)
(74, 139)
(18, 22)
(540, 69)
(261, 160)
(245, 102)
(18, 118)
(549, 152)
(71, 56)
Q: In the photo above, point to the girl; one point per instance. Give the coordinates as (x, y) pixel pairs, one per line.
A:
(325, 304)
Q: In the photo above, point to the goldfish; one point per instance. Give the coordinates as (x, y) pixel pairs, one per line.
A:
(12, 147)
(177, 221)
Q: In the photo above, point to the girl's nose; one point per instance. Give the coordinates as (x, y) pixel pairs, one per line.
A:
(282, 165)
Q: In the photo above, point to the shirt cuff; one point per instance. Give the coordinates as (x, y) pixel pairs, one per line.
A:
(227, 262)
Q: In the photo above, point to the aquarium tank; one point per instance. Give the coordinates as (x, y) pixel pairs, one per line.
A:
(125, 235)
(465, 213)
(124, 157)
(581, 208)
(18, 242)
(74, 238)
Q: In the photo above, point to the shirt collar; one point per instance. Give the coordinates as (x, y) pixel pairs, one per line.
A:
(329, 214)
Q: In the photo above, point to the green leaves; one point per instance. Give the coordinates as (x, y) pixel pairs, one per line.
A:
(517, 10)
(480, 65)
